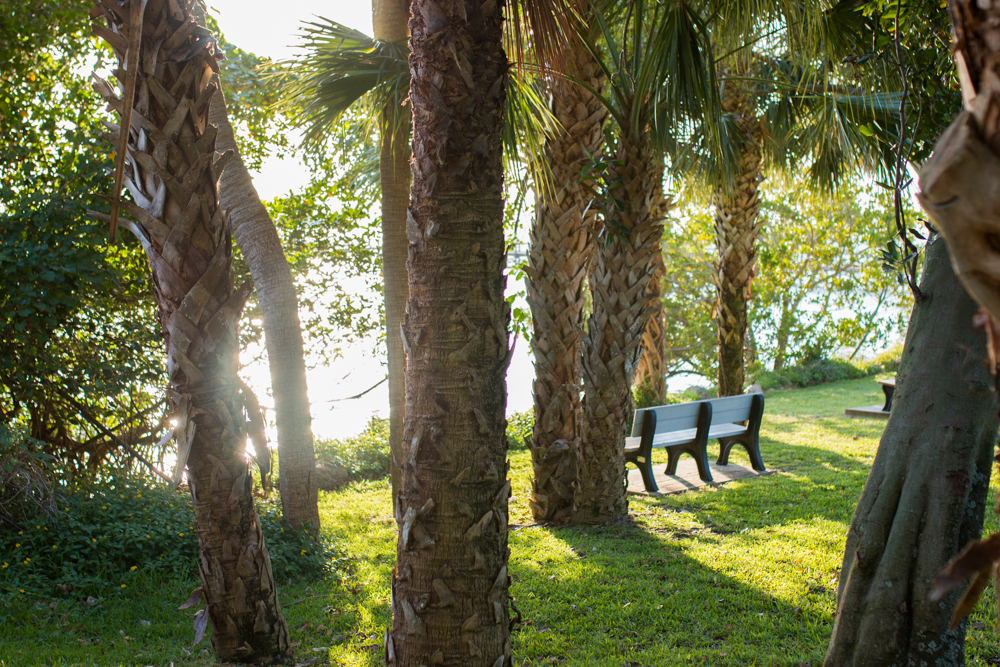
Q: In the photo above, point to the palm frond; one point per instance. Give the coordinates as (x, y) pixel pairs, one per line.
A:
(341, 67)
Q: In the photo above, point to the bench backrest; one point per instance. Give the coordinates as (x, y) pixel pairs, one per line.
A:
(680, 416)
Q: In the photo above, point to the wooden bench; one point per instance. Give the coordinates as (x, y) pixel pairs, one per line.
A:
(686, 428)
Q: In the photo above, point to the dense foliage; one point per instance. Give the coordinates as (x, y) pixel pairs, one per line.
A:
(106, 531)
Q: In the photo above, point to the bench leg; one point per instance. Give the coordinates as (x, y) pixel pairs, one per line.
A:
(701, 458)
(725, 446)
(648, 480)
(752, 448)
(673, 456)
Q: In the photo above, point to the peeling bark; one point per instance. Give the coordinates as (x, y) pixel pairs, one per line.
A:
(172, 172)
(925, 496)
(561, 247)
(619, 282)
(450, 585)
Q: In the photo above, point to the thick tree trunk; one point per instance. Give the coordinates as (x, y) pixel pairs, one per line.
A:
(450, 599)
(736, 229)
(257, 238)
(926, 494)
(619, 282)
(172, 173)
(561, 246)
(389, 18)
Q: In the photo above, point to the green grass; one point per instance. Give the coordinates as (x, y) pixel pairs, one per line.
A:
(742, 575)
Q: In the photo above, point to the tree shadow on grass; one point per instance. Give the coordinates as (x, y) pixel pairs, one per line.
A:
(630, 594)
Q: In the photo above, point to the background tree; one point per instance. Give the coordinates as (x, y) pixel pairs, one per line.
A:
(172, 171)
(645, 97)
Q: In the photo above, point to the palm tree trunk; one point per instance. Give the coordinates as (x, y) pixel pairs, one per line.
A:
(172, 173)
(736, 229)
(449, 588)
(257, 238)
(561, 246)
(619, 279)
(389, 19)
(926, 493)
(651, 370)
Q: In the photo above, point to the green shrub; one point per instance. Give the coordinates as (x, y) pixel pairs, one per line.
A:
(821, 371)
(26, 479)
(519, 427)
(106, 532)
(364, 456)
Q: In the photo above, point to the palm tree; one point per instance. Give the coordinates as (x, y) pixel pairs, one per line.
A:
(645, 104)
(389, 19)
(166, 155)
(450, 599)
(561, 247)
(650, 374)
(257, 238)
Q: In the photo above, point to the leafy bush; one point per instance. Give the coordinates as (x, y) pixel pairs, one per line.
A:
(364, 456)
(821, 371)
(519, 427)
(25, 486)
(106, 532)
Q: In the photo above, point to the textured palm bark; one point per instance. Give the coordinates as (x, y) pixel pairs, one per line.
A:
(620, 272)
(389, 18)
(651, 370)
(172, 173)
(736, 229)
(257, 238)
(450, 584)
(561, 246)
(926, 494)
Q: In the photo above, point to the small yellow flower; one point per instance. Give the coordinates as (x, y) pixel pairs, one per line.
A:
(21, 589)
(181, 534)
(93, 539)
(27, 560)
(104, 507)
(53, 546)
(38, 527)
(4, 566)
(303, 553)
(20, 532)
(17, 545)
(123, 585)
(147, 537)
(171, 504)
(122, 495)
(133, 568)
(139, 496)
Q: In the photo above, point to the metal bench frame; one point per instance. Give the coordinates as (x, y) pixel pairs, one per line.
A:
(693, 441)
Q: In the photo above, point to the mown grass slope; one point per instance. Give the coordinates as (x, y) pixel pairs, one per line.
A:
(741, 575)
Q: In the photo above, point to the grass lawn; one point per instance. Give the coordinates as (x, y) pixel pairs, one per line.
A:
(741, 575)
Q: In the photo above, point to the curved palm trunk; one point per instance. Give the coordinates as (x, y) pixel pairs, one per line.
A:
(926, 493)
(561, 246)
(172, 174)
(449, 599)
(736, 229)
(389, 19)
(619, 282)
(257, 238)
